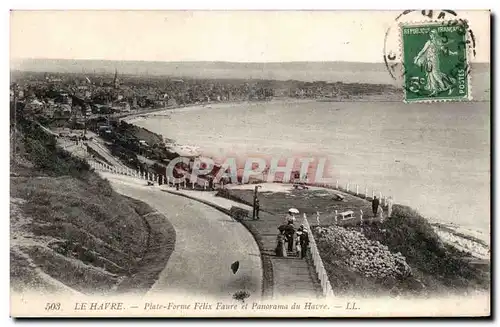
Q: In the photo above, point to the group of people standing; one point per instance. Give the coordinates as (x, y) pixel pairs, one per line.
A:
(291, 240)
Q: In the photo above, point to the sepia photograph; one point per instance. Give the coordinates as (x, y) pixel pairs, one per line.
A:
(245, 163)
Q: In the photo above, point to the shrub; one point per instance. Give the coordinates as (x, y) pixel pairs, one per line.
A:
(406, 231)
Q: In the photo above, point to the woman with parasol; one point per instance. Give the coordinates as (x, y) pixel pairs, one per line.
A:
(290, 217)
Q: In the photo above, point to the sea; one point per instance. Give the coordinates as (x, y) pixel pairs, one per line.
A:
(432, 157)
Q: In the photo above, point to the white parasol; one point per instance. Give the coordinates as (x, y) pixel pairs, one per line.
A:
(293, 210)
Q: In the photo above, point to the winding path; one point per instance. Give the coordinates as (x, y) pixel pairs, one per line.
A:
(207, 243)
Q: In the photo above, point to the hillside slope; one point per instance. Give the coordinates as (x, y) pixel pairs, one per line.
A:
(70, 231)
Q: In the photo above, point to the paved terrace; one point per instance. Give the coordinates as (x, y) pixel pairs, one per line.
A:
(290, 275)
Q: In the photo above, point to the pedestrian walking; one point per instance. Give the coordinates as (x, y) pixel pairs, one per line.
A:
(380, 212)
(298, 248)
(375, 205)
(289, 234)
(257, 209)
(304, 242)
(389, 206)
(280, 245)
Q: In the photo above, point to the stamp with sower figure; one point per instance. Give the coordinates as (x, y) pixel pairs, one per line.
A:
(435, 61)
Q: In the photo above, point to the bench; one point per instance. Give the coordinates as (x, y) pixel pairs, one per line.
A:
(338, 197)
(298, 186)
(346, 215)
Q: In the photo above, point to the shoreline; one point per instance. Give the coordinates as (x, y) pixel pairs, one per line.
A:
(132, 117)
(475, 241)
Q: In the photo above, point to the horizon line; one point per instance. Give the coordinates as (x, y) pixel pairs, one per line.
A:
(219, 61)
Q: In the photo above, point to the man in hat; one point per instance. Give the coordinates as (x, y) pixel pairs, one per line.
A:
(257, 209)
(289, 233)
(303, 240)
(375, 204)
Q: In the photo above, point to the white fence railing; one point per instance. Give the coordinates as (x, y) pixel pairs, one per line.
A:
(357, 190)
(148, 176)
(318, 263)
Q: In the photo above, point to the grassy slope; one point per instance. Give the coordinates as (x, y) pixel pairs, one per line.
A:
(436, 267)
(439, 266)
(69, 226)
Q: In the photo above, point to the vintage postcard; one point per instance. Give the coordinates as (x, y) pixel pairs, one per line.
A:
(250, 163)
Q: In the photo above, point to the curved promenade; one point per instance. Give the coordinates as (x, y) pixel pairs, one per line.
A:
(207, 243)
(289, 276)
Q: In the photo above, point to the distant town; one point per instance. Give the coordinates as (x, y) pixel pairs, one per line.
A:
(72, 97)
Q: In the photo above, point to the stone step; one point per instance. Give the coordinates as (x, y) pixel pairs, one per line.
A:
(297, 286)
(287, 265)
(291, 262)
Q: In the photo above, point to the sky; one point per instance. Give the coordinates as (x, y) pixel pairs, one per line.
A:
(237, 36)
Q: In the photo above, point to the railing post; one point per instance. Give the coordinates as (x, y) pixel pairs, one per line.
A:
(357, 189)
(318, 264)
(337, 184)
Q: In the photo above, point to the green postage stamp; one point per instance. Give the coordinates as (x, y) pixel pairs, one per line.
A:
(435, 61)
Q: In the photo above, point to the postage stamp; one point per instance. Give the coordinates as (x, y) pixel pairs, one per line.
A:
(435, 61)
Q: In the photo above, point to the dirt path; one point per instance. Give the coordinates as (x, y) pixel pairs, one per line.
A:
(207, 242)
